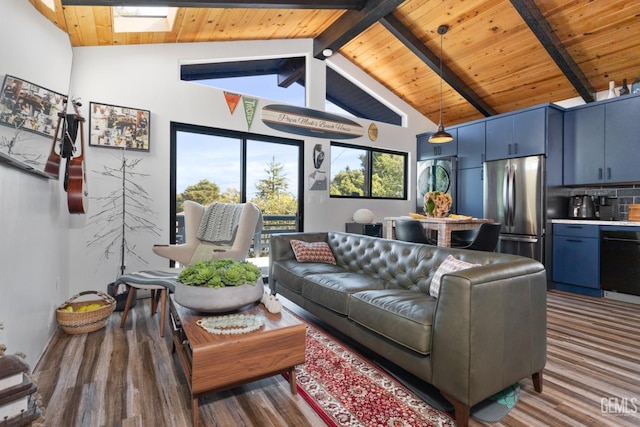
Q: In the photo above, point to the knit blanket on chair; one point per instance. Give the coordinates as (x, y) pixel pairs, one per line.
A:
(220, 222)
(148, 277)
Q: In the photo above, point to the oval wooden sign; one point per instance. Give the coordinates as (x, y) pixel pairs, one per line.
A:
(308, 122)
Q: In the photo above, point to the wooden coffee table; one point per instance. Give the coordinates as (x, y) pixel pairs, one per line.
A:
(214, 362)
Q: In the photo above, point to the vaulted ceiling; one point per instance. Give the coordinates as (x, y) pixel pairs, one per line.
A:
(498, 55)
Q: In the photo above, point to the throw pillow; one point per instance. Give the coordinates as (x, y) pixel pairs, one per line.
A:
(312, 252)
(449, 265)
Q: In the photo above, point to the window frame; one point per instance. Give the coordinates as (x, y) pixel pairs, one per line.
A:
(369, 171)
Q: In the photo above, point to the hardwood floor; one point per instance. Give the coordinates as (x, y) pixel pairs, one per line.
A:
(128, 377)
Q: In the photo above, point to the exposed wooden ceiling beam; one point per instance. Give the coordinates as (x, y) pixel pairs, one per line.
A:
(550, 41)
(246, 4)
(416, 46)
(352, 23)
(291, 71)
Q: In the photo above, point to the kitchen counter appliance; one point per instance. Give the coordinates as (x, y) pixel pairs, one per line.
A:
(620, 260)
(608, 209)
(581, 207)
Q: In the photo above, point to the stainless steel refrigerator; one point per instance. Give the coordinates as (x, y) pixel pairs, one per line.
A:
(514, 196)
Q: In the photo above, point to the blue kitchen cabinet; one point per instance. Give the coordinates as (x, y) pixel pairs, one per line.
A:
(576, 258)
(471, 145)
(517, 135)
(601, 142)
(427, 150)
(584, 145)
(622, 140)
(469, 192)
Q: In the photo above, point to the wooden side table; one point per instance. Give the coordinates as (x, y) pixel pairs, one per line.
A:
(214, 362)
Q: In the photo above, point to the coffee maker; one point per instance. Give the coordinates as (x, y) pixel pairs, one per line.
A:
(581, 207)
(607, 208)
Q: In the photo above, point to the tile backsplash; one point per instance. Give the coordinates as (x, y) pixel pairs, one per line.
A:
(626, 194)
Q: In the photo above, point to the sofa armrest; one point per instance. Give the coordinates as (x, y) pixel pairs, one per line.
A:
(280, 247)
(489, 329)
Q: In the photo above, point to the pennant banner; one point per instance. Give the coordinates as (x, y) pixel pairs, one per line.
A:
(250, 105)
(232, 100)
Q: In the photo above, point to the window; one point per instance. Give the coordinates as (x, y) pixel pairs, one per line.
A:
(365, 172)
(132, 19)
(257, 77)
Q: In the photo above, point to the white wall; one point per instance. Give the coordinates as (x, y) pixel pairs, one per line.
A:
(33, 255)
(147, 77)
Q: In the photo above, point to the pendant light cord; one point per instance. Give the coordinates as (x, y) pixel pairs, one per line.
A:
(441, 136)
(441, 36)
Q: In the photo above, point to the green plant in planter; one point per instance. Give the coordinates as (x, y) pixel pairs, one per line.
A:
(220, 273)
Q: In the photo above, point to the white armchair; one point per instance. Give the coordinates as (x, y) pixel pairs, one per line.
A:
(195, 250)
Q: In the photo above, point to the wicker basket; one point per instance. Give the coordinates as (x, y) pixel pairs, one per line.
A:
(88, 321)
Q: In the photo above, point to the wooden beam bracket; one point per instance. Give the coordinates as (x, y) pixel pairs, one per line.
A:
(352, 23)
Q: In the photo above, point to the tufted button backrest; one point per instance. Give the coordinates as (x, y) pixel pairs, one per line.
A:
(399, 264)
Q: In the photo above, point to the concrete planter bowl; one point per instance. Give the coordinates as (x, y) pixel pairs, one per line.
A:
(218, 300)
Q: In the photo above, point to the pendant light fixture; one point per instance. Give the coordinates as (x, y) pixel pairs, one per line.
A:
(441, 136)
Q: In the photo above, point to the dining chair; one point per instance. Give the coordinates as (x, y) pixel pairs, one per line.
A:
(486, 238)
(410, 230)
(462, 237)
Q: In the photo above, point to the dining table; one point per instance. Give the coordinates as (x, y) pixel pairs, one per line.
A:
(444, 226)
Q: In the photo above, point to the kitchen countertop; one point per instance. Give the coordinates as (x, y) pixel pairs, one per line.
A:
(595, 222)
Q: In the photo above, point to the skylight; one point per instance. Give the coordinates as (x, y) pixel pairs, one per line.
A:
(138, 19)
(50, 4)
(141, 12)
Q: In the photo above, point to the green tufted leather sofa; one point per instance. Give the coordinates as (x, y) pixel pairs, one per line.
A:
(485, 332)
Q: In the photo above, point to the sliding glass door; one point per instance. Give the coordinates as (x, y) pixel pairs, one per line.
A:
(215, 165)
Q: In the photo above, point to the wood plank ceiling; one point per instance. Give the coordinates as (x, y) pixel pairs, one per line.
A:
(498, 55)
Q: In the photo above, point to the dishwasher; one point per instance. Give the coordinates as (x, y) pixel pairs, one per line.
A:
(620, 260)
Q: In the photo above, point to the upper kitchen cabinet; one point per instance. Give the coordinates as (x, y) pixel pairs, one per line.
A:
(622, 140)
(584, 145)
(471, 140)
(601, 142)
(426, 150)
(530, 132)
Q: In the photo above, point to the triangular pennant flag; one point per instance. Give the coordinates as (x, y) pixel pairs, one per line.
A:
(249, 109)
(232, 100)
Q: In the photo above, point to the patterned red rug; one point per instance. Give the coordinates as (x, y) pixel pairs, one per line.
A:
(347, 390)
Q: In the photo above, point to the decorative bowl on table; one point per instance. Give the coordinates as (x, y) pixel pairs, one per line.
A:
(219, 286)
